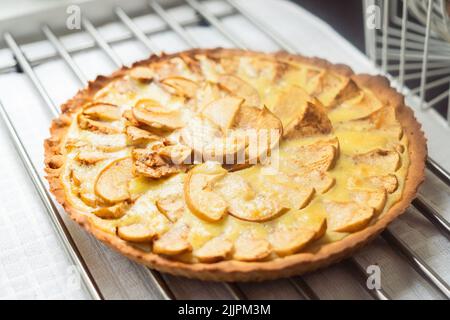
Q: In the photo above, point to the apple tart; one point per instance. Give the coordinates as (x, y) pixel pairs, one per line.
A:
(235, 165)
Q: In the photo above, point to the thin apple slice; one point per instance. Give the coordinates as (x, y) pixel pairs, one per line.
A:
(151, 105)
(248, 248)
(388, 182)
(240, 88)
(180, 86)
(311, 121)
(262, 130)
(199, 195)
(138, 136)
(214, 250)
(314, 157)
(386, 160)
(289, 104)
(171, 205)
(116, 211)
(112, 182)
(130, 119)
(199, 133)
(287, 192)
(347, 216)
(291, 238)
(223, 111)
(90, 157)
(138, 232)
(173, 242)
(320, 181)
(157, 117)
(85, 123)
(373, 198)
(293, 197)
(245, 203)
(102, 111)
(208, 141)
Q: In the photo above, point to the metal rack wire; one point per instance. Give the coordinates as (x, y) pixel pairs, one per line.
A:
(158, 280)
(413, 45)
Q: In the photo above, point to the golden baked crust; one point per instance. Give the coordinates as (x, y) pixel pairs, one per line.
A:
(233, 270)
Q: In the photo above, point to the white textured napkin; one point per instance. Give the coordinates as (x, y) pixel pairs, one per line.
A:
(32, 262)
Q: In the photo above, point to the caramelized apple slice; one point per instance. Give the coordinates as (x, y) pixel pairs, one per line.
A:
(386, 160)
(102, 111)
(214, 250)
(382, 120)
(199, 133)
(176, 153)
(205, 95)
(334, 88)
(347, 216)
(158, 117)
(180, 86)
(151, 105)
(171, 205)
(300, 114)
(314, 157)
(289, 104)
(112, 183)
(97, 126)
(373, 198)
(173, 242)
(223, 111)
(240, 88)
(312, 120)
(248, 248)
(360, 106)
(108, 226)
(287, 240)
(259, 209)
(88, 198)
(138, 232)
(199, 195)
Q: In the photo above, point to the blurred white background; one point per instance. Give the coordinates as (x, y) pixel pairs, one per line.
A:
(12, 8)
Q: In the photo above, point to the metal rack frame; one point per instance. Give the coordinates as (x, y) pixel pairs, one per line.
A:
(413, 42)
(158, 280)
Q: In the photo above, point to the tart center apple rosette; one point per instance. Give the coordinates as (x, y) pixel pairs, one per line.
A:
(226, 155)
